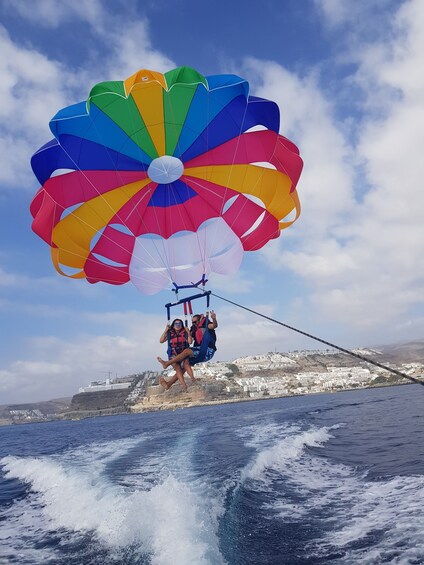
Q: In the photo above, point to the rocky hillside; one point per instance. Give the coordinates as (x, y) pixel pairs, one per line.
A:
(34, 412)
(254, 376)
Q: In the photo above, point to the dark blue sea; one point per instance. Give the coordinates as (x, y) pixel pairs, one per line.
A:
(331, 478)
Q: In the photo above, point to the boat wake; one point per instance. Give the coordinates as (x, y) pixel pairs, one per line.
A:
(336, 510)
(72, 502)
(201, 497)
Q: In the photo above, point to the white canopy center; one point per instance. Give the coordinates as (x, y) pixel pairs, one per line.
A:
(165, 170)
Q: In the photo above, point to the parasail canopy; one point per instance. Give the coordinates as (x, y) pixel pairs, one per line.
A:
(163, 178)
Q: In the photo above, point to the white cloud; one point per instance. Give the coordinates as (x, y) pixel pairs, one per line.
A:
(8, 279)
(363, 17)
(306, 118)
(133, 50)
(50, 13)
(362, 258)
(239, 282)
(53, 367)
(335, 11)
(244, 333)
(388, 238)
(34, 87)
(24, 381)
(54, 285)
(56, 367)
(338, 13)
(29, 89)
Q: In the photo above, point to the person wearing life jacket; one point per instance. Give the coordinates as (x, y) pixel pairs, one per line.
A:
(179, 338)
(198, 330)
(200, 351)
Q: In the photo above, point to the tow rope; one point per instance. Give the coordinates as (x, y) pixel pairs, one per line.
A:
(342, 349)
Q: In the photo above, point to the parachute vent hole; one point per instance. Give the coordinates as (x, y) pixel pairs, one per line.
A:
(60, 172)
(264, 165)
(254, 226)
(68, 211)
(255, 200)
(107, 261)
(229, 203)
(258, 127)
(290, 216)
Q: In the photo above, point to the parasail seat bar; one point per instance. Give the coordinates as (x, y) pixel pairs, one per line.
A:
(187, 301)
(202, 282)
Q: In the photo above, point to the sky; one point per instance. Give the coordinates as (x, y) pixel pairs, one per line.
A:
(348, 79)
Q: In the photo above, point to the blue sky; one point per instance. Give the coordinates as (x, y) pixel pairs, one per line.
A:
(348, 79)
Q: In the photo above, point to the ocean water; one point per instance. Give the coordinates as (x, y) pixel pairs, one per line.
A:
(331, 478)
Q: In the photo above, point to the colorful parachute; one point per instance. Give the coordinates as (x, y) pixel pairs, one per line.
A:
(163, 178)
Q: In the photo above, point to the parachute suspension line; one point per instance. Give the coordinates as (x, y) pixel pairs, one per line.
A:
(159, 245)
(224, 199)
(188, 227)
(100, 194)
(232, 165)
(72, 213)
(187, 302)
(342, 349)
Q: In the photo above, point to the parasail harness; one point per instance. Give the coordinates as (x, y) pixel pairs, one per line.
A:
(203, 336)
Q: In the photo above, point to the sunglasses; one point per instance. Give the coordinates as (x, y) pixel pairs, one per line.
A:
(178, 324)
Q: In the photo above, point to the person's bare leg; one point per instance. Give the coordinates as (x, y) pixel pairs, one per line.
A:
(189, 370)
(164, 383)
(167, 384)
(179, 375)
(177, 359)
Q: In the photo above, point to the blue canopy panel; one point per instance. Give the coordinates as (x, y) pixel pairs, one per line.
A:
(79, 154)
(233, 120)
(97, 127)
(206, 105)
(171, 194)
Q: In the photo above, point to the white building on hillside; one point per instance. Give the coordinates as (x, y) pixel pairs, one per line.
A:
(99, 386)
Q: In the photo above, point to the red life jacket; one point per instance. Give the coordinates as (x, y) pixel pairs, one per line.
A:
(177, 341)
(198, 331)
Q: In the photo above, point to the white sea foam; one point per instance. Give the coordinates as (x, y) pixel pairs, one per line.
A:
(160, 507)
(286, 510)
(265, 434)
(350, 508)
(278, 457)
(19, 524)
(101, 452)
(393, 510)
(173, 522)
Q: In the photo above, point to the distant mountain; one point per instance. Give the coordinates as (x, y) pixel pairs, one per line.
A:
(408, 352)
(34, 411)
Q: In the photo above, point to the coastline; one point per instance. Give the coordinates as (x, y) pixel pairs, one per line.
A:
(182, 403)
(195, 404)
